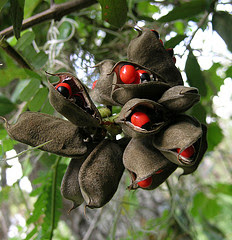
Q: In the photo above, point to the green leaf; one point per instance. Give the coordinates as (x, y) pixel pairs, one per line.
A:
(114, 12)
(2, 3)
(214, 135)
(146, 9)
(6, 106)
(19, 88)
(185, 10)
(47, 108)
(194, 74)
(25, 40)
(229, 72)
(214, 81)
(38, 100)
(11, 72)
(221, 20)
(39, 60)
(30, 7)
(30, 90)
(222, 188)
(174, 41)
(199, 112)
(16, 12)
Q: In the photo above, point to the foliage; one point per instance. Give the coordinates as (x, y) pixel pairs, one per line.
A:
(196, 207)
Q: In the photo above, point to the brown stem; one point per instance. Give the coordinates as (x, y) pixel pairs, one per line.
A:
(56, 12)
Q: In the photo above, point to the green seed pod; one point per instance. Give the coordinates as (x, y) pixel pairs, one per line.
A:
(180, 98)
(184, 133)
(75, 104)
(122, 93)
(101, 93)
(142, 160)
(147, 50)
(70, 188)
(157, 114)
(34, 129)
(100, 174)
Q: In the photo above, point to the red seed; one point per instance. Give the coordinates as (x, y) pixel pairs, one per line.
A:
(64, 89)
(188, 152)
(159, 171)
(94, 83)
(128, 74)
(145, 183)
(139, 119)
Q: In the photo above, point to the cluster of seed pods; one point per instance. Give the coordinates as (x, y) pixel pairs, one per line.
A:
(157, 137)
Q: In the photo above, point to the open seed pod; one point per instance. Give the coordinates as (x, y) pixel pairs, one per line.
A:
(143, 161)
(180, 98)
(100, 174)
(147, 50)
(145, 83)
(70, 98)
(183, 142)
(142, 117)
(101, 92)
(70, 188)
(61, 136)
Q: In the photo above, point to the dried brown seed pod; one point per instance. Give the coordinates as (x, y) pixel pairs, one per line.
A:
(70, 188)
(102, 90)
(147, 50)
(183, 133)
(72, 101)
(100, 174)
(149, 87)
(180, 98)
(157, 114)
(143, 161)
(34, 129)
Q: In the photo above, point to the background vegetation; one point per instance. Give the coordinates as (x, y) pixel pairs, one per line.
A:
(72, 36)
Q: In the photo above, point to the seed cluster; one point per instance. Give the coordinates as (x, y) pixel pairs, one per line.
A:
(157, 136)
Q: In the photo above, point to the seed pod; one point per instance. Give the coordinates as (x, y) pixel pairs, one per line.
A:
(100, 174)
(147, 50)
(142, 160)
(180, 98)
(184, 132)
(102, 90)
(34, 129)
(122, 93)
(70, 188)
(158, 115)
(77, 108)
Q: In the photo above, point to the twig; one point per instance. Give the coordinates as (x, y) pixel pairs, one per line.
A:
(57, 11)
(93, 225)
(199, 25)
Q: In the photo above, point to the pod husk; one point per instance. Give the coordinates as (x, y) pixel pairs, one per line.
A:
(200, 153)
(70, 188)
(103, 88)
(100, 174)
(148, 51)
(160, 119)
(142, 159)
(122, 93)
(157, 179)
(68, 108)
(33, 128)
(182, 133)
(180, 98)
